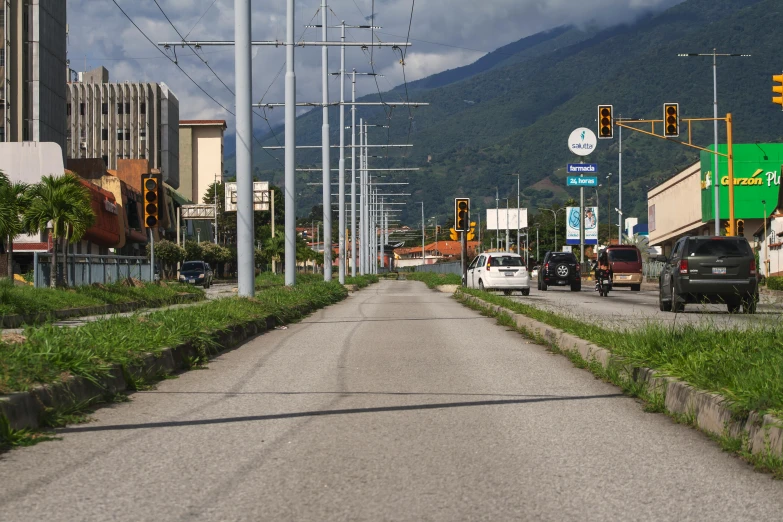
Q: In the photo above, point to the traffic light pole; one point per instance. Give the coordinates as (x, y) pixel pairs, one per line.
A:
(152, 256)
(464, 256)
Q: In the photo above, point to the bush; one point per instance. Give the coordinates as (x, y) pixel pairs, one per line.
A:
(775, 283)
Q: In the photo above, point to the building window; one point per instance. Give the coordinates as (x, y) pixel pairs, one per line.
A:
(2, 55)
(119, 134)
(81, 109)
(104, 134)
(2, 134)
(127, 135)
(143, 108)
(119, 108)
(82, 133)
(104, 108)
(142, 133)
(105, 161)
(68, 109)
(127, 108)
(2, 17)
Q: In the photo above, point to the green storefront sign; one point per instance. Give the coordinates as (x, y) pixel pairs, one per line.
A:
(756, 179)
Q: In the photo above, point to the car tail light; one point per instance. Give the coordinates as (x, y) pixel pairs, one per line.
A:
(684, 266)
(578, 268)
(489, 263)
(546, 268)
(753, 267)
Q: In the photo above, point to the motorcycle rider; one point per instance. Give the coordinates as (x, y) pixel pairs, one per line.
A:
(602, 270)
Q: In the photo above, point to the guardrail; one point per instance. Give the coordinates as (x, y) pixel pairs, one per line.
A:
(86, 269)
(441, 268)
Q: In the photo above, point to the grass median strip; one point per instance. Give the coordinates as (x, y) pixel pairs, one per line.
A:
(433, 280)
(24, 300)
(48, 354)
(745, 366)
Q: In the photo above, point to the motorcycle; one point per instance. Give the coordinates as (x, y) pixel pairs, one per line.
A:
(603, 279)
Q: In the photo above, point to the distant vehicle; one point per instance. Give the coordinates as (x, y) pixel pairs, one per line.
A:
(499, 271)
(626, 263)
(196, 272)
(560, 269)
(534, 272)
(719, 270)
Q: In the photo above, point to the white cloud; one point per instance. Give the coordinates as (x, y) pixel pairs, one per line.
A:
(101, 35)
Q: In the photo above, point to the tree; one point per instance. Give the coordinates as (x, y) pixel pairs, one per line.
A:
(169, 254)
(66, 203)
(193, 251)
(12, 201)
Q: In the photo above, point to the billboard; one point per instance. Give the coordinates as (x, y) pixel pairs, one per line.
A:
(497, 220)
(260, 196)
(757, 169)
(573, 224)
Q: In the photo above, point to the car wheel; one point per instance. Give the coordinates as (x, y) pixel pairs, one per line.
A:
(506, 292)
(542, 286)
(749, 304)
(526, 292)
(636, 288)
(481, 285)
(677, 305)
(665, 306)
(734, 306)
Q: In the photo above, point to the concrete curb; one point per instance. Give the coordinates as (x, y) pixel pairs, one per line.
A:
(27, 410)
(708, 410)
(16, 321)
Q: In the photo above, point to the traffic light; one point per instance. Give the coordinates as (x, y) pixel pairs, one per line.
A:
(671, 120)
(740, 227)
(727, 228)
(437, 229)
(150, 191)
(778, 100)
(453, 234)
(472, 231)
(605, 122)
(462, 214)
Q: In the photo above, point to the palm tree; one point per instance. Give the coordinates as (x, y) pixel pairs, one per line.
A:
(64, 202)
(11, 203)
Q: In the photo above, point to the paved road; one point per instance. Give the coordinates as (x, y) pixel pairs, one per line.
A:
(397, 404)
(625, 309)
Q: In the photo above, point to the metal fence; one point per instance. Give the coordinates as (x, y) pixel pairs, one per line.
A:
(86, 269)
(441, 268)
(652, 270)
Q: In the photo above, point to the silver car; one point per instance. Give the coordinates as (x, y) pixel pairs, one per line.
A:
(499, 271)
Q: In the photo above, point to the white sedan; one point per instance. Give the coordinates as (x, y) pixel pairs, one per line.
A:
(499, 271)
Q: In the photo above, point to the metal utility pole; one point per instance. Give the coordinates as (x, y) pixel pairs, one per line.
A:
(538, 254)
(609, 207)
(508, 246)
(325, 153)
(244, 148)
(216, 211)
(362, 198)
(353, 174)
(423, 258)
(497, 219)
(582, 223)
(341, 166)
(715, 177)
(620, 191)
(290, 151)
(518, 211)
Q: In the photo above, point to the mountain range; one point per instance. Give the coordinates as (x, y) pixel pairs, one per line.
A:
(512, 110)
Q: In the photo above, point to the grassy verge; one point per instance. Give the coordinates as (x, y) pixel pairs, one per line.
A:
(270, 280)
(362, 281)
(49, 353)
(433, 280)
(23, 300)
(745, 366)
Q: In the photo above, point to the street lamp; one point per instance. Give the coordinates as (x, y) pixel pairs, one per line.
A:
(609, 213)
(620, 226)
(518, 203)
(766, 249)
(715, 176)
(507, 231)
(554, 213)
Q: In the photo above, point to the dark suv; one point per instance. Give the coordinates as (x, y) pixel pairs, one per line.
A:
(560, 269)
(710, 270)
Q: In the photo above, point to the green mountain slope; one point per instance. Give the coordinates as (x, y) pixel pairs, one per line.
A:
(515, 115)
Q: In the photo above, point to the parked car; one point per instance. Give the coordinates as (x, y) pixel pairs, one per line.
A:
(626, 263)
(196, 272)
(560, 269)
(499, 271)
(709, 270)
(534, 272)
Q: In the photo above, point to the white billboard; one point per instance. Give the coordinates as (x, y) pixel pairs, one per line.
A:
(573, 224)
(260, 196)
(497, 220)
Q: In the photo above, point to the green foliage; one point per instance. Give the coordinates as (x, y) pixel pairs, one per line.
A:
(775, 283)
(433, 280)
(169, 254)
(25, 300)
(194, 251)
(48, 352)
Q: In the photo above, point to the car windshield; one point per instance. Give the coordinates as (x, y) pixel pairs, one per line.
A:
(718, 247)
(506, 261)
(624, 255)
(561, 258)
(192, 266)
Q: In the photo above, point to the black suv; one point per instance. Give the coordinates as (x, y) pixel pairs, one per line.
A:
(560, 269)
(720, 270)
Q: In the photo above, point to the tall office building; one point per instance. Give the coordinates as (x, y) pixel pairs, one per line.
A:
(33, 69)
(126, 120)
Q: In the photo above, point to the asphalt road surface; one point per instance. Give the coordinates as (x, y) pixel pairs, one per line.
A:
(397, 404)
(624, 309)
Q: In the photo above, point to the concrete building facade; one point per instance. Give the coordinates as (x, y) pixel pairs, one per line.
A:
(115, 121)
(201, 156)
(33, 70)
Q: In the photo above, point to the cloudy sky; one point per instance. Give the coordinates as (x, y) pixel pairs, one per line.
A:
(443, 38)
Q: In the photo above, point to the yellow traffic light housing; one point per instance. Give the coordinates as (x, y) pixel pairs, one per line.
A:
(740, 227)
(671, 120)
(605, 122)
(778, 100)
(472, 231)
(462, 214)
(727, 228)
(150, 191)
(453, 234)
